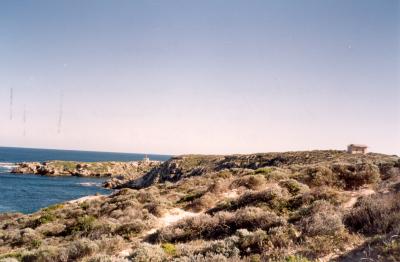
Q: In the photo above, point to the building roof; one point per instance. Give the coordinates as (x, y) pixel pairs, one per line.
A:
(358, 145)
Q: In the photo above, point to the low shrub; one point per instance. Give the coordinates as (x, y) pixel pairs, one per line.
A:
(293, 186)
(46, 254)
(219, 186)
(356, 175)
(146, 252)
(375, 214)
(316, 247)
(319, 175)
(343, 175)
(51, 229)
(169, 249)
(226, 247)
(263, 170)
(111, 245)
(322, 218)
(81, 248)
(84, 205)
(101, 229)
(274, 198)
(83, 225)
(131, 229)
(218, 226)
(224, 174)
(250, 181)
(155, 209)
(29, 237)
(204, 202)
(45, 217)
(190, 197)
(326, 193)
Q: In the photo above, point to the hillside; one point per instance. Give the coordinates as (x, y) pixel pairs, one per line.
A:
(293, 206)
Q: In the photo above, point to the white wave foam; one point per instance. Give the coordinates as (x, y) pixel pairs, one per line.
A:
(7, 166)
(89, 184)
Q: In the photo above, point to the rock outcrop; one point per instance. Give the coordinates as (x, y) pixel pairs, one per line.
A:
(117, 170)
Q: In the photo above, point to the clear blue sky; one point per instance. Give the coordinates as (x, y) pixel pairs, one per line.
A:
(200, 76)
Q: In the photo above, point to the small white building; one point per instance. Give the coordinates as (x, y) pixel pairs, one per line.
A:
(357, 149)
(146, 159)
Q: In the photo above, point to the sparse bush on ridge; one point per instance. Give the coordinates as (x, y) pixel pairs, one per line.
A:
(357, 175)
(341, 175)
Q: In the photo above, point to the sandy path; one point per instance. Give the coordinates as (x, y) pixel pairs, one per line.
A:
(356, 194)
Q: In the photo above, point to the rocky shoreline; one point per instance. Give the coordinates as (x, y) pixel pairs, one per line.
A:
(119, 172)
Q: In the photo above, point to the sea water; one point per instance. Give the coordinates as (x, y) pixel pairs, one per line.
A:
(28, 193)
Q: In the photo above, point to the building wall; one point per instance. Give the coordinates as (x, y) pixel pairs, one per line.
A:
(356, 150)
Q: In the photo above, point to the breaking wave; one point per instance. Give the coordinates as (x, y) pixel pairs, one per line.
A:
(6, 167)
(89, 184)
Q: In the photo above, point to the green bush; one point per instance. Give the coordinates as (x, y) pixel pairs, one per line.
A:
(35, 243)
(263, 170)
(83, 225)
(169, 249)
(294, 187)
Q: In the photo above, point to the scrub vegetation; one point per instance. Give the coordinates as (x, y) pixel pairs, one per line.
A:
(294, 206)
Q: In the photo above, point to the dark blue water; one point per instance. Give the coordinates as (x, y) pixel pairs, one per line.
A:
(14, 154)
(29, 193)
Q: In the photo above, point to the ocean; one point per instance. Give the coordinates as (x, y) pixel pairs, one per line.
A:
(29, 193)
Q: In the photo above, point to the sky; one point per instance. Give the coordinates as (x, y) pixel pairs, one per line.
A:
(212, 77)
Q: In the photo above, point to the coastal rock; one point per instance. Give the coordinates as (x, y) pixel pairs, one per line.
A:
(122, 170)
